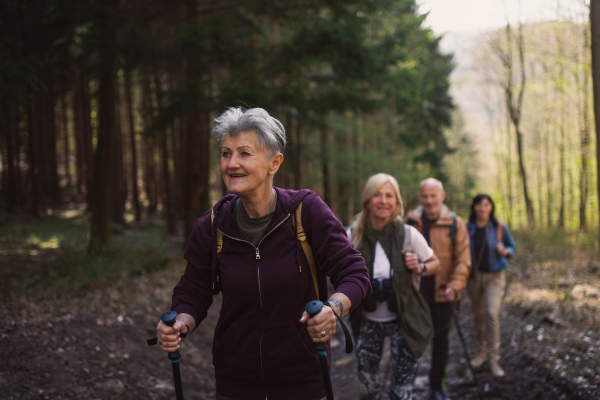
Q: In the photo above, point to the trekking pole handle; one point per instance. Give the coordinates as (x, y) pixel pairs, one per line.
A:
(313, 308)
(168, 318)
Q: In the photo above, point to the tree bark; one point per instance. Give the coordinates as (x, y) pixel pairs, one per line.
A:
(134, 162)
(79, 135)
(104, 162)
(296, 153)
(10, 182)
(595, 24)
(119, 195)
(325, 168)
(164, 156)
(150, 184)
(33, 167)
(584, 134)
(514, 106)
(195, 181)
(49, 164)
(196, 166)
(86, 133)
(65, 135)
(562, 148)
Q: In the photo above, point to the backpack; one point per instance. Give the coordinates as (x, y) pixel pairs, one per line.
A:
(297, 222)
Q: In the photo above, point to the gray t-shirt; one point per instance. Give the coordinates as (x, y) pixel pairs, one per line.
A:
(253, 228)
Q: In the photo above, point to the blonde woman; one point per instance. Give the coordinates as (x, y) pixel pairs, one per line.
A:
(393, 253)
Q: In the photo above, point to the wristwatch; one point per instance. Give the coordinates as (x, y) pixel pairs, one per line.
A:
(424, 268)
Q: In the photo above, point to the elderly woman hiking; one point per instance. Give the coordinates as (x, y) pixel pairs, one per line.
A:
(395, 253)
(249, 249)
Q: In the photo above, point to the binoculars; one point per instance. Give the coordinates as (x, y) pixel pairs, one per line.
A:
(382, 292)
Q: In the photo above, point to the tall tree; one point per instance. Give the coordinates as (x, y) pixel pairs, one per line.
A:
(595, 26)
(135, 196)
(514, 89)
(104, 161)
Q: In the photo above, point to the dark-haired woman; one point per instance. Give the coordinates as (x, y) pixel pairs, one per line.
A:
(491, 245)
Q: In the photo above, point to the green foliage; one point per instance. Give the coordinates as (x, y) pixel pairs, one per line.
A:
(50, 255)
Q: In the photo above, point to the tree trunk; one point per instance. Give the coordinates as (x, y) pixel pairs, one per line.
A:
(195, 182)
(562, 148)
(65, 135)
(134, 162)
(78, 120)
(549, 177)
(196, 166)
(515, 106)
(33, 167)
(325, 168)
(150, 186)
(176, 156)
(595, 23)
(509, 172)
(10, 183)
(49, 164)
(21, 115)
(86, 131)
(167, 199)
(584, 137)
(296, 152)
(104, 162)
(119, 195)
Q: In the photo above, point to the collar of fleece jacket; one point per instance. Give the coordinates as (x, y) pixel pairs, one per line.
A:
(415, 217)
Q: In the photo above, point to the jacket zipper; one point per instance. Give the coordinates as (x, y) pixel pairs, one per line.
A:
(259, 291)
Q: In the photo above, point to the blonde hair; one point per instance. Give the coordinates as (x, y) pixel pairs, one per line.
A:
(373, 184)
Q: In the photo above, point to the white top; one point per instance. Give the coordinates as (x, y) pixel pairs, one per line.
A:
(414, 242)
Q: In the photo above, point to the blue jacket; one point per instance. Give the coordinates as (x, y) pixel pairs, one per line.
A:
(496, 262)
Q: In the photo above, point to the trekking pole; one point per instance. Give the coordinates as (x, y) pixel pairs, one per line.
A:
(168, 318)
(312, 309)
(464, 343)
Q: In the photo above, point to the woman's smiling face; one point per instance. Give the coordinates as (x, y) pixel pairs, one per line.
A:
(383, 203)
(245, 164)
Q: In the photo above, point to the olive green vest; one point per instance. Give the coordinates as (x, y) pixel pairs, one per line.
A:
(414, 316)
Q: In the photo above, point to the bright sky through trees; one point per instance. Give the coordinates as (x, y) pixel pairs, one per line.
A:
(464, 15)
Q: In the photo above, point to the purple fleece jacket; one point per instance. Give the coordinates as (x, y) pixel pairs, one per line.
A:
(260, 348)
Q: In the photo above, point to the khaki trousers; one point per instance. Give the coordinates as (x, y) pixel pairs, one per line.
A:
(486, 290)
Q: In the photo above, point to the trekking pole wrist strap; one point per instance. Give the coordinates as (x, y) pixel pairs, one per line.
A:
(349, 344)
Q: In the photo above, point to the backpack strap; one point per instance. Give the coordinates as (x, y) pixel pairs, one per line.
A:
(500, 232)
(219, 235)
(453, 229)
(297, 222)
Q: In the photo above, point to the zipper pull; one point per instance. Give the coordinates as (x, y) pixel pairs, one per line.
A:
(257, 254)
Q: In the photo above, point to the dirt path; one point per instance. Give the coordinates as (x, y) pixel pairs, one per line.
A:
(94, 348)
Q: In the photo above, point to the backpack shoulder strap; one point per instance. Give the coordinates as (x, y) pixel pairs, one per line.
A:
(297, 221)
(453, 229)
(500, 232)
(219, 235)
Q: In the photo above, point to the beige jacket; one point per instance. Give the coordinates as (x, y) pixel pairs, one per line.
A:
(455, 263)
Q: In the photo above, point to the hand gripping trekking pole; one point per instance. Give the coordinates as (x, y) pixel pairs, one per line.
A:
(168, 318)
(464, 343)
(312, 309)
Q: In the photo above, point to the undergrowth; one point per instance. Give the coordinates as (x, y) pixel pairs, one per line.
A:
(49, 256)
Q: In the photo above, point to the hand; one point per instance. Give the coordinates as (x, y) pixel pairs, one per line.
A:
(412, 262)
(323, 321)
(168, 337)
(449, 293)
(501, 249)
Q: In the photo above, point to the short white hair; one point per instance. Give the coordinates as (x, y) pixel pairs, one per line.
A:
(432, 181)
(235, 120)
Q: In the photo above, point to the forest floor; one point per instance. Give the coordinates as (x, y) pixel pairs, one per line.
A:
(68, 335)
